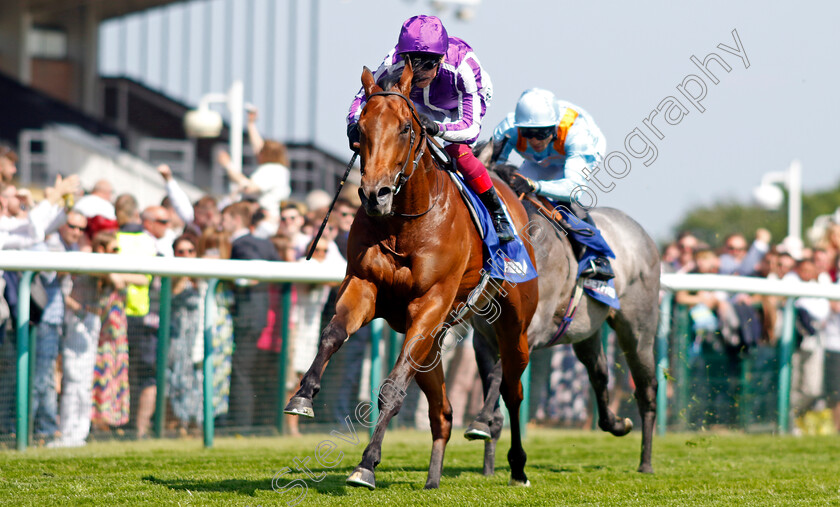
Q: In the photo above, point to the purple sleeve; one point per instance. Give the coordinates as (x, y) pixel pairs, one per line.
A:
(388, 65)
(473, 95)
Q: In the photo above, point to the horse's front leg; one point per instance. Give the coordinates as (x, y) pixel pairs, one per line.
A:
(420, 352)
(440, 420)
(355, 308)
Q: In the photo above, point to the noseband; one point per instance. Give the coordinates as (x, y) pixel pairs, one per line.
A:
(400, 179)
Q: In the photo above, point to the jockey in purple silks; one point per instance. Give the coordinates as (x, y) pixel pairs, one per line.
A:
(451, 91)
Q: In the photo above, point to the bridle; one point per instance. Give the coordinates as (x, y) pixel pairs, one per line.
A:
(400, 179)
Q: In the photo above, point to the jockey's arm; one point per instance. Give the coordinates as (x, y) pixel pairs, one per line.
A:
(583, 149)
(561, 189)
(359, 100)
(466, 127)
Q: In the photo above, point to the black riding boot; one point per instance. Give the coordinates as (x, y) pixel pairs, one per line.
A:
(490, 199)
(599, 268)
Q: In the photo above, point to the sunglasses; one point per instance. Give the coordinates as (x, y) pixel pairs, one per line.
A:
(162, 221)
(115, 249)
(737, 248)
(423, 62)
(538, 133)
(77, 227)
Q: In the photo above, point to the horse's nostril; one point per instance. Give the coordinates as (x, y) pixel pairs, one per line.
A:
(384, 191)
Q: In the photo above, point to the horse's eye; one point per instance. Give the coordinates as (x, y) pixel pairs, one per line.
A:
(406, 128)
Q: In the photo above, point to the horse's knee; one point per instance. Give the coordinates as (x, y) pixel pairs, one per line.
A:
(391, 396)
(333, 336)
(646, 394)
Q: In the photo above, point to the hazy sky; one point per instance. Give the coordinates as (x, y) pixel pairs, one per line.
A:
(617, 60)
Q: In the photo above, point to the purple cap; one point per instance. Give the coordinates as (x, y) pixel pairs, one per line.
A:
(424, 34)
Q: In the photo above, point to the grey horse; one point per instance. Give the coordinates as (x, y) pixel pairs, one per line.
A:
(637, 285)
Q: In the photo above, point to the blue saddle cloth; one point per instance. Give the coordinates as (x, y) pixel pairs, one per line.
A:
(590, 237)
(505, 261)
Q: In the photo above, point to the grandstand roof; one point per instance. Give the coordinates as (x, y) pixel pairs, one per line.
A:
(48, 11)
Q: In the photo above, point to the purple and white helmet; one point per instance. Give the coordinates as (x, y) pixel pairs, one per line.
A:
(424, 34)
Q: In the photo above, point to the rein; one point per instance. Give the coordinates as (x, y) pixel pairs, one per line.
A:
(401, 179)
(551, 213)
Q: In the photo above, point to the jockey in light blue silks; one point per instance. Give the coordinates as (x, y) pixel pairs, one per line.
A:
(557, 141)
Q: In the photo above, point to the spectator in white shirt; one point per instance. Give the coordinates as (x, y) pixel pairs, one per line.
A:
(156, 224)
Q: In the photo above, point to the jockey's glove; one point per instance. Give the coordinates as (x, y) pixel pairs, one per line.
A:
(431, 127)
(522, 185)
(353, 136)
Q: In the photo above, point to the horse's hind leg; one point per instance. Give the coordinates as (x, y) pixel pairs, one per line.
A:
(591, 354)
(490, 371)
(488, 423)
(514, 353)
(354, 308)
(636, 338)
(440, 418)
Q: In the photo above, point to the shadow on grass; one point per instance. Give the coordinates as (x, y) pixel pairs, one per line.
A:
(332, 485)
(504, 468)
(238, 486)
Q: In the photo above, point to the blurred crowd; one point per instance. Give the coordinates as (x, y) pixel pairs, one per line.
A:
(96, 356)
(726, 327)
(96, 364)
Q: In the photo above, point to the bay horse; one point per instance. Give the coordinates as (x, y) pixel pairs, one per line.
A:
(414, 257)
(637, 272)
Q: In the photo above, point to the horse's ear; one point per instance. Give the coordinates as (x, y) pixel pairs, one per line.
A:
(405, 79)
(368, 83)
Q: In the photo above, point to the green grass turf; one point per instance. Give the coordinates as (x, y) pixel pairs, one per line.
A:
(565, 468)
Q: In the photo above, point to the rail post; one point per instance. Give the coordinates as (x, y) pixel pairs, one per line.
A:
(165, 314)
(23, 359)
(207, 366)
(785, 352)
(282, 367)
(663, 331)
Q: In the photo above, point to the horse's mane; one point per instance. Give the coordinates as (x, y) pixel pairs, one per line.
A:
(386, 82)
(504, 171)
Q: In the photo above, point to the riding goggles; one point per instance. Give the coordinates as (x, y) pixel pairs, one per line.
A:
(423, 61)
(538, 133)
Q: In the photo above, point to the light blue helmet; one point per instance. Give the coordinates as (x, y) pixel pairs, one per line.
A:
(536, 108)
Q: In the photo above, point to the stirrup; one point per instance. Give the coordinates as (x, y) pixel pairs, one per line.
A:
(503, 228)
(598, 269)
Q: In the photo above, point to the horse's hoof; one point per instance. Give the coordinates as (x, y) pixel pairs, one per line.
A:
(619, 428)
(478, 431)
(645, 469)
(432, 485)
(520, 484)
(300, 406)
(362, 478)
